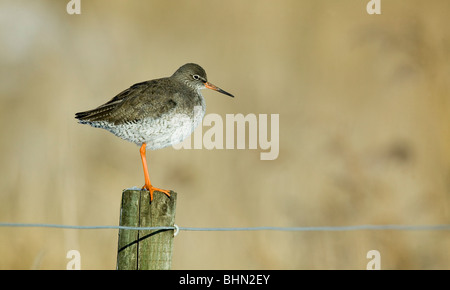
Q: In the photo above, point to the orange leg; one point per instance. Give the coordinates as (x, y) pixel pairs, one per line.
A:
(148, 185)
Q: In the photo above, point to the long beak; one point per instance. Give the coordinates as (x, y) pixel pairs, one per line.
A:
(217, 89)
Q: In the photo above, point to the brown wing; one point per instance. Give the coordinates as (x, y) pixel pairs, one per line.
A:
(149, 99)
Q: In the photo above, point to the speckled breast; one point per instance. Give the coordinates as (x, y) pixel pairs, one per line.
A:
(167, 130)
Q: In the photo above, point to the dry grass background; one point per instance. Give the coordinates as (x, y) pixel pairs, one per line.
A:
(364, 129)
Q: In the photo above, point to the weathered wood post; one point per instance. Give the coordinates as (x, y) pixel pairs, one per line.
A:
(149, 249)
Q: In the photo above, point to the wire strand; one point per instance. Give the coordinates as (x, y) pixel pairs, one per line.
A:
(441, 227)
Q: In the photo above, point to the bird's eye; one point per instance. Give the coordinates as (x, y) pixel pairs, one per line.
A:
(196, 77)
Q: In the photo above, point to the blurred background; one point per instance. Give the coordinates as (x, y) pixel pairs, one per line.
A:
(364, 108)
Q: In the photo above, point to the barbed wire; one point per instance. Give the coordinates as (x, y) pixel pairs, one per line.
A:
(441, 227)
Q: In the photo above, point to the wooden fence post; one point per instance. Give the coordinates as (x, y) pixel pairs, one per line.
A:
(149, 249)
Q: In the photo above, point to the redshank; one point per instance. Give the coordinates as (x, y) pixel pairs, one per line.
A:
(156, 113)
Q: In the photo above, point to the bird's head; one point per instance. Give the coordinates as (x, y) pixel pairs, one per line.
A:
(194, 76)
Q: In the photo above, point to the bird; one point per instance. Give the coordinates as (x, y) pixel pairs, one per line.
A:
(155, 114)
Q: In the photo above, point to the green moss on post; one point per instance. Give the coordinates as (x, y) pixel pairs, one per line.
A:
(149, 249)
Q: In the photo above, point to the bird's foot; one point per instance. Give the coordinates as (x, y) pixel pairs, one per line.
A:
(152, 189)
